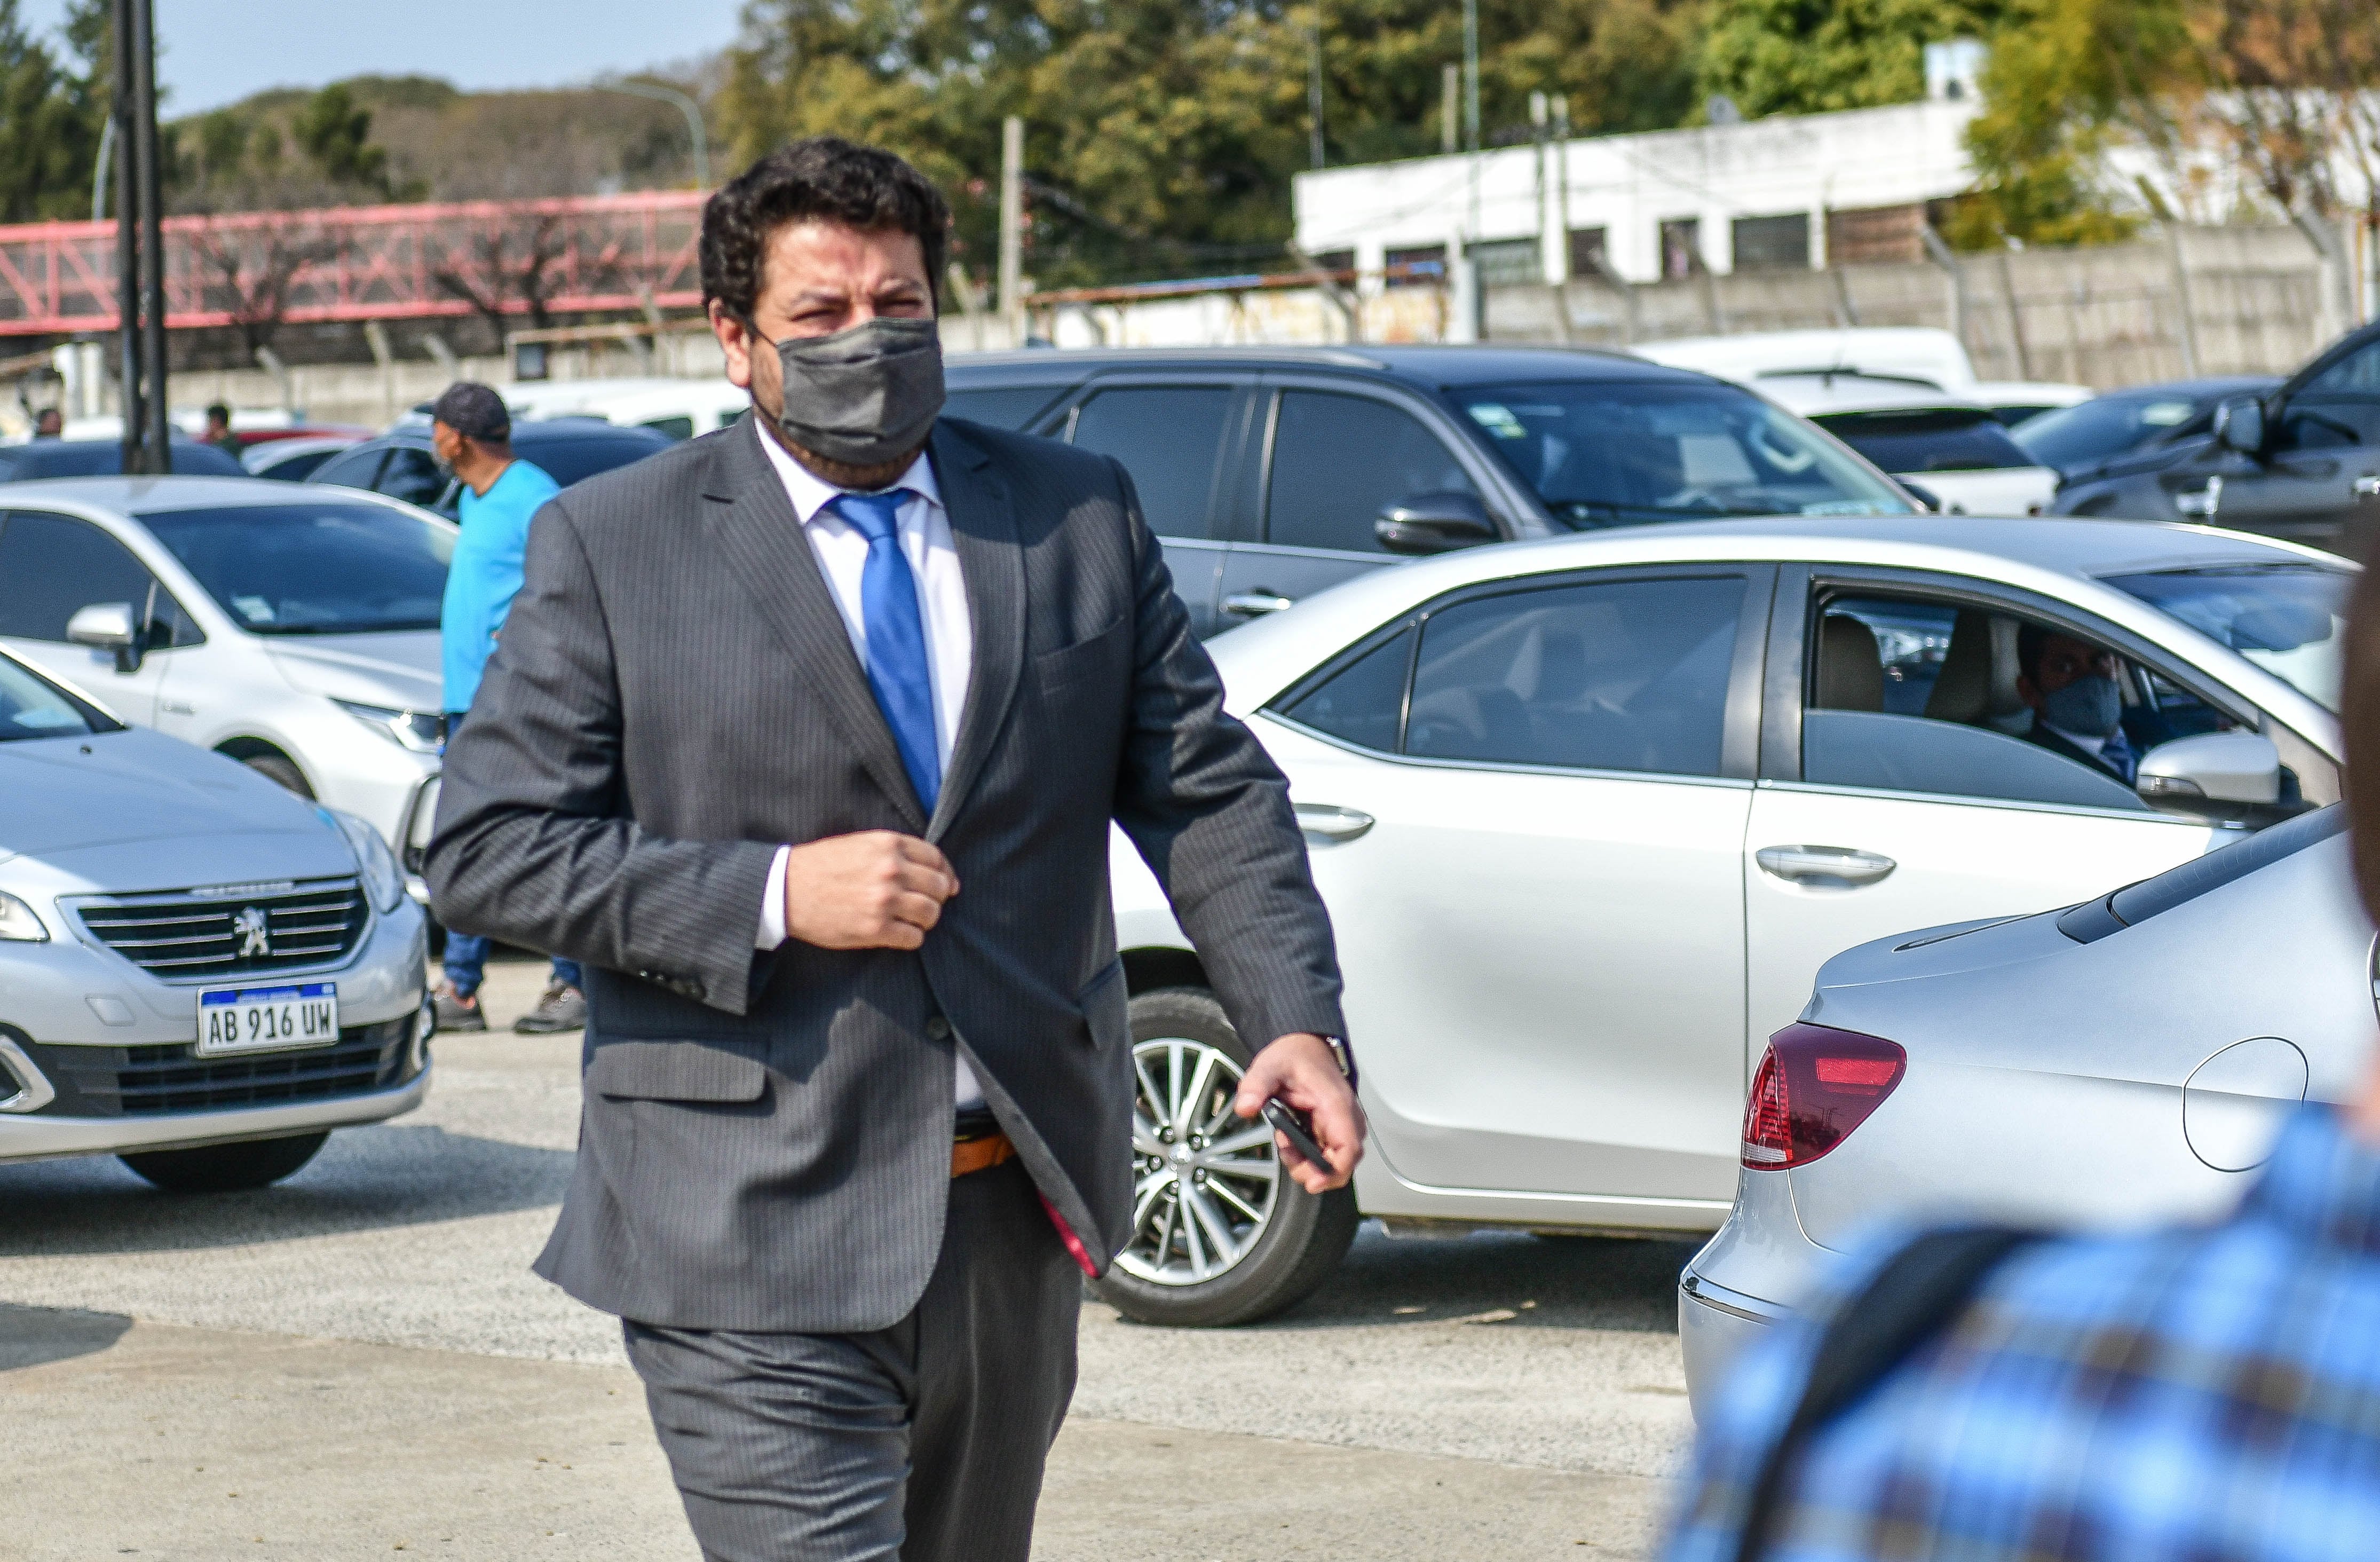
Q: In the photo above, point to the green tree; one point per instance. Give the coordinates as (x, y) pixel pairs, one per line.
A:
(1814, 56)
(337, 133)
(49, 125)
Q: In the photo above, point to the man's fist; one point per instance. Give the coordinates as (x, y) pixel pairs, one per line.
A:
(874, 890)
(1299, 1067)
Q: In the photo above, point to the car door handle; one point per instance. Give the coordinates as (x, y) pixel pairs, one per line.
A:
(1258, 603)
(1825, 867)
(2368, 487)
(1328, 824)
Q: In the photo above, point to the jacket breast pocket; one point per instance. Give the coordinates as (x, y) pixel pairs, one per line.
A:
(1107, 1007)
(1057, 671)
(687, 1070)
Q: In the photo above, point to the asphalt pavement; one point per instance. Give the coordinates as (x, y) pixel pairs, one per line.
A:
(361, 1355)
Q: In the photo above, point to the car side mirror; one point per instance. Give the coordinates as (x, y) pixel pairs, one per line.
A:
(2239, 425)
(2220, 774)
(1433, 523)
(1927, 498)
(107, 626)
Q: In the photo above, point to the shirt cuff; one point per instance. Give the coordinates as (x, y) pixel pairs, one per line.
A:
(772, 904)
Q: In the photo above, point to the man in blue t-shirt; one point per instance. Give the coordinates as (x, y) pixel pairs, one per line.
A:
(472, 433)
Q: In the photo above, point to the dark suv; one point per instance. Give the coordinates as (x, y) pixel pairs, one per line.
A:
(401, 465)
(1273, 473)
(2301, 464)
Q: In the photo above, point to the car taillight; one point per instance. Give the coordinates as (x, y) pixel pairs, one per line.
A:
(1814, 1086)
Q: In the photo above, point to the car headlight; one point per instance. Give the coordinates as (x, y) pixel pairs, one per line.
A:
(384, 880)
(424, 732)
(18, 923)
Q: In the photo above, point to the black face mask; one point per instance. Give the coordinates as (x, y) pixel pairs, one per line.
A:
(865, 397)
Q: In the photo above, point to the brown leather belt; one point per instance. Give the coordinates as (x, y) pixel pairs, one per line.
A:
(969, 1155)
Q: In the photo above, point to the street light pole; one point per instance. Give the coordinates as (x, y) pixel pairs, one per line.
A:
(155, 434)
(127, 243)
(685, 106)
(1314, 87)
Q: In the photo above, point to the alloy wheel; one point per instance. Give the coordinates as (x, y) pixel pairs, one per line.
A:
(1205, 1179)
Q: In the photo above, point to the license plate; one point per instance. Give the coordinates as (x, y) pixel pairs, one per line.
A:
(268, 1019)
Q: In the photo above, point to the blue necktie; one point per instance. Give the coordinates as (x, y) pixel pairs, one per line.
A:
(897, 667)
(2118, 756)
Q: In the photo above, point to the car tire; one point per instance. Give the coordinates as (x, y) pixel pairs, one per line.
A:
(226, 1168)
(1184, 1047)
(282, 770)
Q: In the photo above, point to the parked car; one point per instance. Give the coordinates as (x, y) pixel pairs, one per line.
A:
(2302, 462)
(292, 627)
(2122, 1062)
(1951, 449)
(401, 464)
(295, 459)
(1271, 474)
(1907, 352)
(204, 974)
(679, 408)
(1590, 814)
(2078, 440)
(105, 458)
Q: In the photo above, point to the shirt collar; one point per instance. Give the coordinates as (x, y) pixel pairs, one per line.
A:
(811, 493)
(2321, 1184)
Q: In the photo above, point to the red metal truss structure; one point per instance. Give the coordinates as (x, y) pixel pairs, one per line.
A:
(487, 258)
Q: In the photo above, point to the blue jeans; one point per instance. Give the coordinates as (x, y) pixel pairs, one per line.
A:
(467, 954)
(467, 965)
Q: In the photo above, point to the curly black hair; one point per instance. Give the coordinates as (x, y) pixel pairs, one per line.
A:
(865, 187)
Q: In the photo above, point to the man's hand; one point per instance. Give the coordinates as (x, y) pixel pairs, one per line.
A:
(1301, 1069)
(874, 890)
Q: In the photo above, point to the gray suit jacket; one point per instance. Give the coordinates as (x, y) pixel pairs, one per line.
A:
(766, 1138)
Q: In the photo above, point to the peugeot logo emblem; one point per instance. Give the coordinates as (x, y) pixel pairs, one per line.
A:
(254, 933)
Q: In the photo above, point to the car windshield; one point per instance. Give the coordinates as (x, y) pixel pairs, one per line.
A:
(1623, 452)
(2289, 620)
(32, 706)
(105, 458)
(2075, 436)
(321, 569)
(1928, 439)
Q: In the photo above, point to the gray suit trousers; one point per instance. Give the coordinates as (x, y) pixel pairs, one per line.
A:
(924, 1441)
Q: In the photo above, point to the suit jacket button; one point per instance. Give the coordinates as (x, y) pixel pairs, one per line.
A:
(938, 1028)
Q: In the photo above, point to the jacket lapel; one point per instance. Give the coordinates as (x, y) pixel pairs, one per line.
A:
(753, 524)
(991, 564)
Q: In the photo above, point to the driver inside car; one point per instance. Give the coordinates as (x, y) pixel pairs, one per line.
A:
(2078, 703)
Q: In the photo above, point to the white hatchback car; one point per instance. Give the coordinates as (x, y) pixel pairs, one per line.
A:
(1589, 814)
(1946, 443)
(291, 627)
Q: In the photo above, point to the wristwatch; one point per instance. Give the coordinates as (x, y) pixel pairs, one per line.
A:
(1346, 1059)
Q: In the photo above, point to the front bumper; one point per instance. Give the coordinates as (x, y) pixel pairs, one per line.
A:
(42, 1136)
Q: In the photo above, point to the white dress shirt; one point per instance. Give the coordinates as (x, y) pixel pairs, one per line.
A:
(842, 551)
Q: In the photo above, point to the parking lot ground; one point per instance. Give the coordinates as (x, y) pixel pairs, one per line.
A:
(361, 1355)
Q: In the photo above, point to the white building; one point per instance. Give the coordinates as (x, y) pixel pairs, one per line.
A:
(1787, 191)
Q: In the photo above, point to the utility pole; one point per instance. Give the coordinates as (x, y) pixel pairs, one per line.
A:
(1012, 227)
(1449, 116)
(153, 239)
(127, 243)
(1313, 89)
(1470, 296)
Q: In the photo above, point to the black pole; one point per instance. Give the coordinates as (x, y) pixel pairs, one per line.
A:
(127, 242)
(153, 240)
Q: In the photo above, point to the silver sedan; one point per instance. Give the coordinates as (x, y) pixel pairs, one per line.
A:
(1590, 814)
(2122, 1061)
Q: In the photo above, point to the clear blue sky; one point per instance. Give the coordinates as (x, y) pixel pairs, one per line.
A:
(216, 52)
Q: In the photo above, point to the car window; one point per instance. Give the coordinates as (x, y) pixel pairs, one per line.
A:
(32, 706)
(52, 565)
(328, 567)
(2289, 620)
(1363, 701)
(1625, 452)
(2355, 377)
(1941, 692)
(1168, 438)
(1621, 675)
(1003, 407)
(413, 476)
(1337, 461)
(1941, 439)
(679, 427)
(353, 469)
(574, 459)
(297, 468)
(2106, 426)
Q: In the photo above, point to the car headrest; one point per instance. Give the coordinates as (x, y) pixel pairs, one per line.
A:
(1851, 669)
(1977, 684)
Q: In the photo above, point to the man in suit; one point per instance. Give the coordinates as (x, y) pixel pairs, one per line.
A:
(803, 738)
(2078, 706)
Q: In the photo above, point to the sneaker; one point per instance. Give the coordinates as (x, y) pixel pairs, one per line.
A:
(456, 1013)
(562, 1009)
